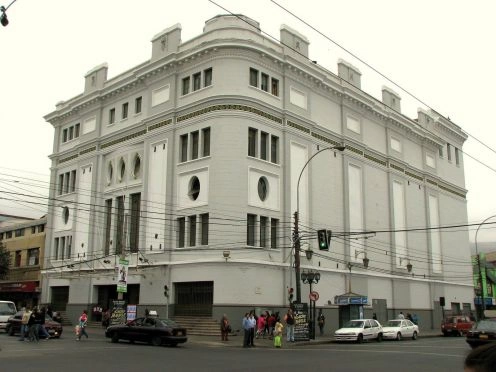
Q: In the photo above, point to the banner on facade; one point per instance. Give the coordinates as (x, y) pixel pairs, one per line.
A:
(301, 331)
(122, 276)
(118, 315)
(131, 312)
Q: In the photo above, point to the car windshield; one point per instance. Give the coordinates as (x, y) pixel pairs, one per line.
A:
(486, 325)
(354, 324)
(393, 323)
(168, 322)
(7, 308)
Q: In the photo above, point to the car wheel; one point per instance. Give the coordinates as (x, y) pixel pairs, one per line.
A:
(156, 341)
(414, 336)
(360, 338)
(398, 336)
(115, 337)
(379, 337)
(445, 334)
(174, 344)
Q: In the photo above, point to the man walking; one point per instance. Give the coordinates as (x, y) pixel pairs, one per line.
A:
(246, 330)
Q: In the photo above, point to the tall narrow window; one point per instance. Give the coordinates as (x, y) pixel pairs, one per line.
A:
(192, 231)
(71, 133)
(274, 224)
(56, 249)
(250, 229)
(275, 87)
(186, 85)
(206, 142)
(61, 184)
(64, 135)
(252, 141)
(264, 142)
(181, 230)
(448, 150)
(135, 221)
(62, 248)
(68, 247)
(457, 156)
(33, 257)
(263, 231)
(274, 149)
(253, 77)
(184, 148)
(73, 180)
(125, 108)
(66, 182)
(137, 105)
(207, 77)
(112, 116)
(119, 224)
(194, 144)
(108, 224)
(77, 129)
(265, 82)
(17, 261)
(204, 228)
(197, 81)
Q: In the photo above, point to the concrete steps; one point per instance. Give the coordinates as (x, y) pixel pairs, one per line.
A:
(199, 326)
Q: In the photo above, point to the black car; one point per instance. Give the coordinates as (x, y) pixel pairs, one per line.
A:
(152, 330)
(53, 328)
(483, 332)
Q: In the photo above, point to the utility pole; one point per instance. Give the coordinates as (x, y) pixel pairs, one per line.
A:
(296, 242)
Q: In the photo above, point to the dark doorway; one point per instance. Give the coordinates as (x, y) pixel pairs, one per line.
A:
(60, 298)
(194, 298)
(108, 293)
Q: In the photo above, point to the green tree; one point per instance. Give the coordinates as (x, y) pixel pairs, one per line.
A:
(4, 261)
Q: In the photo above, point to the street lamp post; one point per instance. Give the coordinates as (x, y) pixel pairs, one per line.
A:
(296, 237)
(483, 305)
(311, 277)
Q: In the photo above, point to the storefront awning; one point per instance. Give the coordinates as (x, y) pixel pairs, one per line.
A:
(19, 287)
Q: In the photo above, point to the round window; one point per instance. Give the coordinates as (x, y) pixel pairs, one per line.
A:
(263, 188)
(110, 173)
(122, 169)
(194, 188)
(65, 215)
(137, 166)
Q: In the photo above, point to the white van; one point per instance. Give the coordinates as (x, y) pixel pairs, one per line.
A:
(7, 309)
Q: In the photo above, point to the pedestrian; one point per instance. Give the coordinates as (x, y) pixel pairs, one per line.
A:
(290, 321)
(278, 334)
(225, 328)
(321, 321)
(24, 324)
(271, 322)
(246, 330)
(415, 319)
(33, 327)
(481, 359)
(83, 320)
(42, 319)
(374, 316)
(252, 323)
(400, 315)
(261, 326)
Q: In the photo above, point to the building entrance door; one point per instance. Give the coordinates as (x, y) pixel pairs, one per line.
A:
(193, 298)
(59, 298)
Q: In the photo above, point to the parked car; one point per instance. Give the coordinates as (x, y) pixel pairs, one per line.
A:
(152, 330)
(483, 332)
(397, 329)
(7, 309)
(359, 330)
(53, 328)
(457, 325)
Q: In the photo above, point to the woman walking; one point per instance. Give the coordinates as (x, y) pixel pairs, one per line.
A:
(83, 320)
(225, 328)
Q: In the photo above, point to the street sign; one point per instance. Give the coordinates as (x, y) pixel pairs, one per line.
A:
(313, 296)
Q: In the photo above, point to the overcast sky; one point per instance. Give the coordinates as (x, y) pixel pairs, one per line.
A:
(441, 51)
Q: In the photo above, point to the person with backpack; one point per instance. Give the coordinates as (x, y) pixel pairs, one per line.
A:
(83, 320)
(290, 322)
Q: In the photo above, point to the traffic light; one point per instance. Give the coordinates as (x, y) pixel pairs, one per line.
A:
(322, 239)
(166, 290)
(3, 17)
(290, 294)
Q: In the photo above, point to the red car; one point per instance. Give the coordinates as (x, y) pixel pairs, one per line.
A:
(53, 328)
(457, 325)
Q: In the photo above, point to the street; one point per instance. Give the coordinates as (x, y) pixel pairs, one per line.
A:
(209, 354)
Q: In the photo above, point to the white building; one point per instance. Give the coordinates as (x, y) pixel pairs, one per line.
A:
(187, 165)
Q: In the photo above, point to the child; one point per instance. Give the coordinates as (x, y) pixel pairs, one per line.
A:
(278, 334)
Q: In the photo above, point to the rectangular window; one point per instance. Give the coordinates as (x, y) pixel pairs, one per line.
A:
(77, 129)
(61, 183)
(274, 224)
(196, 81)
(429, 160)
(64, 135)
(298, 98)
(66, 182)
(112, 116)
(125, 108)
(181, 230)
(254, 77)
(119, 223)
(264, 142)
(204, 228)
(137, 105)
(194, 144)
(33, 257)
(275, 87)
(160, 95)
(108, 224)
(68, 247)
(457, 156)
(395, 144)
(19, 232)
(184, 147)
(186, 85)
(263, 231)
(71, 133)
(207, 77)
(73, 181)
(448, 150)
(41, 228)
(353, 124)
(206, 142)
(17, 261)
(192, 230)
(56, 249)
(62, 248)
(274, 149)
(441, 152)
(252, 141)
(8, 235)
(135, 221)
(265, 82)
(33, 229)
(250, 229)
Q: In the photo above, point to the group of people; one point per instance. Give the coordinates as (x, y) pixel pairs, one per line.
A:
(33, 324)
(413, 318)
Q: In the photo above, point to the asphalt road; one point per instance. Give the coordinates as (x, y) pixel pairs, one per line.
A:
(209, 354)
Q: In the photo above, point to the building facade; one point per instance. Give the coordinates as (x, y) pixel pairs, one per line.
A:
(24, 239)
(189, 167)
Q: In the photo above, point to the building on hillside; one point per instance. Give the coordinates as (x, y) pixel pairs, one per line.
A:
(187, 167)
(26, 243)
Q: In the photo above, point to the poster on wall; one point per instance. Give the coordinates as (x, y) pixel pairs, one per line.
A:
(118, 315)
(131, 312)
(122, 276)
(301, 322)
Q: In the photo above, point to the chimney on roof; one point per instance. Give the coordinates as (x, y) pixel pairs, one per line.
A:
(391, 98)
(166, 42)
(294, 41)
(95, 78)
(349, 73)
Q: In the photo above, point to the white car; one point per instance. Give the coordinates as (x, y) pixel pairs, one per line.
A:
(397, 329)
(359, 330)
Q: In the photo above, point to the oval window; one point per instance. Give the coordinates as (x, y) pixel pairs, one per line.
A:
(137, 166)
(110, 173)
(194, 188)
(122, 169)
(263, 188)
